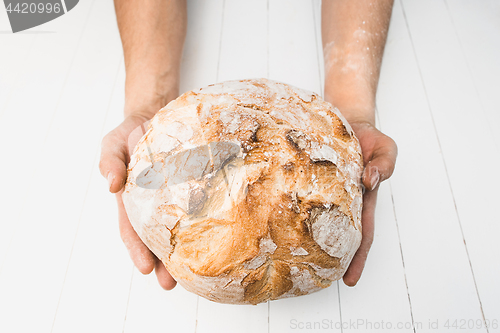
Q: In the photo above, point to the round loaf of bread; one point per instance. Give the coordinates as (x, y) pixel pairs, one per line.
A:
(248, 191)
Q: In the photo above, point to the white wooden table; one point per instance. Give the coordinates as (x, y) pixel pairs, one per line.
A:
(434, 265)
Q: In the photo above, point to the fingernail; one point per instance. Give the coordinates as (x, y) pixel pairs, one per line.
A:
(374, 179)
(110, 178)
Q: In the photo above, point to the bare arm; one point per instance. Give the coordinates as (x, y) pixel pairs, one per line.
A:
(354, 34)
(152, 34)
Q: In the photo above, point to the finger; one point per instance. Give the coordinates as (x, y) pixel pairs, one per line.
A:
(165, 280)
(353, 273)
(381, 166)
(113, 160)
(141, 256)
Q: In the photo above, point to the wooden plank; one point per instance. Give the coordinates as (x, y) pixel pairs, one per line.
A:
(440, 282)
(293, 52)
(17, 52)
(228, 318)
(465, 136)
(202, 47)
(151, 309)
(309, 313)
(34, 271)
(476, 24)
(380, 299)
(97, 282)
(40, 78)
(28, 112)
(244, 43)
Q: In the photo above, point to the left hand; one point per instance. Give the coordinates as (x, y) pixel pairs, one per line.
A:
(379, 157)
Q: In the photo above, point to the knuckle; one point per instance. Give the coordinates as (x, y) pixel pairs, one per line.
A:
(102, 167)
(109, 139)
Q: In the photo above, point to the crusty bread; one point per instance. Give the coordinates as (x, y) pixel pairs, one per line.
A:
(248, 191)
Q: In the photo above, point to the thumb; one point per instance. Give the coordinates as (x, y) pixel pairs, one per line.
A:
(113, 162)
(116, 149)
(381, 166)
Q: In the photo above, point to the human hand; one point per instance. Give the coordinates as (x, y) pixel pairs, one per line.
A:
(116, 149)
(379, 157)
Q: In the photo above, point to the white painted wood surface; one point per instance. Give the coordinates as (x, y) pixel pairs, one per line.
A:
(435, 256)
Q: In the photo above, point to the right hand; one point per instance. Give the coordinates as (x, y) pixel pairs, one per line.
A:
(116, 149)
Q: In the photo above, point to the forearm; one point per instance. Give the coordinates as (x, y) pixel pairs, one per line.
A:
(152, 34)
(354, 34)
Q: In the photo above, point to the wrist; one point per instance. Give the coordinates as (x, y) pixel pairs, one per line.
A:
(354, 97)
(353, 109)
(355, 118)
(146, 94)
(146, 105)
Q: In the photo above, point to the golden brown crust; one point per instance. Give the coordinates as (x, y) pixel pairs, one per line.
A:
(248, 191)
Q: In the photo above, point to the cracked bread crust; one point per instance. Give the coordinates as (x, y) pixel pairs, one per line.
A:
(248, 191)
